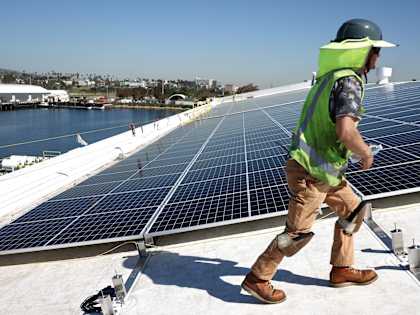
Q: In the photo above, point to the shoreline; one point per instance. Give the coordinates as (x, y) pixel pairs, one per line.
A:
(119, 106)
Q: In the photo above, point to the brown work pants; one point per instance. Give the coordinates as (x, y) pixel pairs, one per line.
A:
(307, 195)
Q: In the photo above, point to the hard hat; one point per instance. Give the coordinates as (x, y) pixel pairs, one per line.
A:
(361, 28)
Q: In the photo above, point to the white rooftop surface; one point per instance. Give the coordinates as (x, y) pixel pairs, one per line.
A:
(22, 88)
(203, 276)
(58, 287)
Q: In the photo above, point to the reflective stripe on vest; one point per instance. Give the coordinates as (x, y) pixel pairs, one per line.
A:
(320, 161)
(301, 144)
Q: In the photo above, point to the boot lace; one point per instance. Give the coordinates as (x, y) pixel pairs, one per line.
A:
(270, 286)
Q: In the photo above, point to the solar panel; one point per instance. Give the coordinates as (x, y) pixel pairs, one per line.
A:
(387, 181)
(205, 212)
(225, 168)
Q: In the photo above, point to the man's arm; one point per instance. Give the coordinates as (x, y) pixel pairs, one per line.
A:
(348, 134)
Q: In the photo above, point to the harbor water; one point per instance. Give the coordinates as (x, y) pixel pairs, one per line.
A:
(24, 126)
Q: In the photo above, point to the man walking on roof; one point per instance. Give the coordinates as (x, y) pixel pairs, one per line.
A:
(325, 137)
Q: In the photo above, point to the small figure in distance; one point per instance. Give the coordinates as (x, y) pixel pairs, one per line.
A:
(132, 127)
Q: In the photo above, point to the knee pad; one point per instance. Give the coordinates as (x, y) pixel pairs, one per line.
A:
(354, 221)
(290, 246)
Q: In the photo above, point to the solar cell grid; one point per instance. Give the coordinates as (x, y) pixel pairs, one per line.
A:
(411, 119)
(133, 159)
(391, 92)
(179, 154)
(277, 161)
(209, 188)
(389, 156)
(206, 155)
(104, 178)
(218, 161)
(173, 161)
(267, 152)
(397, 139)
(130, 200)
(215, 172)
(273, 199)
(123, 168)
(377, 125)
(369, 120)
(221, 147)
(198, 213)
(281, 136)
(398, 129)
(215, 146)
(189, 142)
(58, 209)
(161, 170)
(413, 149)
(268, 177)
(223, 144)
(401, 113)
(393, 97)
(393, 107)
(113, 225)
(253, 133)
(223, 136)
(267, 144)
(387, 179)
(148, 183)
(85, 191)
(31, 234)
(179, 150)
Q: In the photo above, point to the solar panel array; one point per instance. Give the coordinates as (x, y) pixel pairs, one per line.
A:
(227, 167)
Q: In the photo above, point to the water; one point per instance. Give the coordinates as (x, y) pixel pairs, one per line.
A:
(32, 124)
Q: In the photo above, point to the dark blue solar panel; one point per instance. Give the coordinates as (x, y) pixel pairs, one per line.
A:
(200, 212)
(109, 226)
(59, 209)
(387, 180)
(273, 199)
(31, 234)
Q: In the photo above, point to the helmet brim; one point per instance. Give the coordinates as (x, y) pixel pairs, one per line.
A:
(383, 44)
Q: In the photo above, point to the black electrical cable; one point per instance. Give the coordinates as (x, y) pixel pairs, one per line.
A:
(92, 304)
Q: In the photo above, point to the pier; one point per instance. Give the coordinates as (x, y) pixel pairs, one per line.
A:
(14, 105)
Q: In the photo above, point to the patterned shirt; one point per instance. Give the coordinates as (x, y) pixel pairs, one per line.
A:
(346, 98)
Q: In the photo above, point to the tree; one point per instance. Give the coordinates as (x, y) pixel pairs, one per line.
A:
(9, 78)
(136, 93)
(247, 88)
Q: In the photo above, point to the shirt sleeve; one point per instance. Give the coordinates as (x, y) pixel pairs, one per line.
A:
(347, 98)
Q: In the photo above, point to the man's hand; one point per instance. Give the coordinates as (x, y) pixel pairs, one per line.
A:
(348, 134)
(366, 162)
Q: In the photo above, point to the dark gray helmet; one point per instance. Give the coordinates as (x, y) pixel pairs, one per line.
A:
(359, 29)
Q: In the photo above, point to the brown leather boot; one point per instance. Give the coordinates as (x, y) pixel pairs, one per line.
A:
(263, 290)
(346, 276)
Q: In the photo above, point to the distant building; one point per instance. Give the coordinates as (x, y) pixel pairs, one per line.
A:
(85, 83)
(179, 99)
(58, 96)
(206, 83)
(68, 82)
(230, 88)
(143, 84)
(22, 93)
(132, 84)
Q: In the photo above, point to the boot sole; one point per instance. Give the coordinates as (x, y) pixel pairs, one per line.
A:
(348, 284)
(257, 296)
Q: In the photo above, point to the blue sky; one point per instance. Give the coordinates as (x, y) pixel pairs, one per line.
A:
(265, 42)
